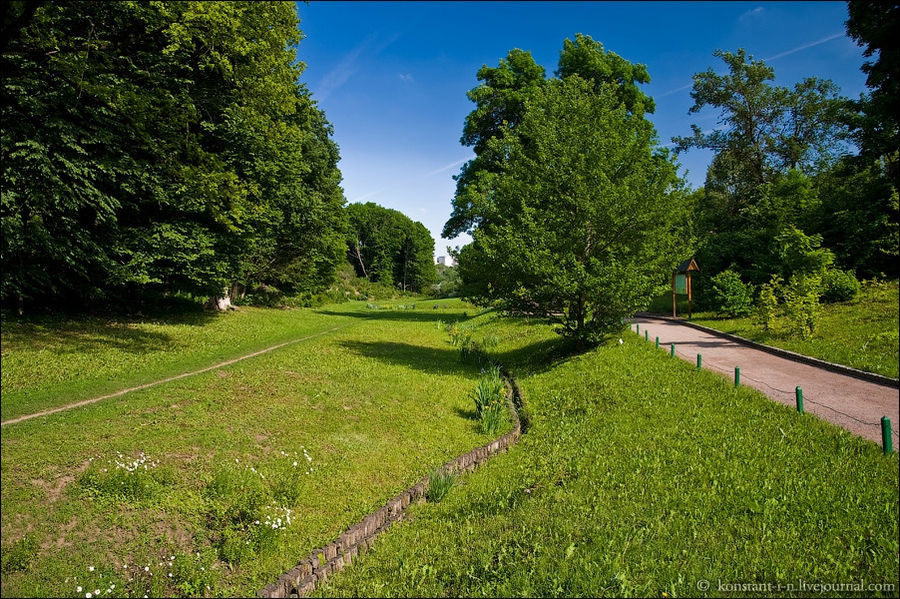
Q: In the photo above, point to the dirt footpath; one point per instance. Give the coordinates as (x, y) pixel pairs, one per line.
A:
(849, 402)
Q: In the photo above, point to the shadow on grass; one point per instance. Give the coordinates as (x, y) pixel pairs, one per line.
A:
(426, 359)
(424, 315)
(532, 359)
(90, 333)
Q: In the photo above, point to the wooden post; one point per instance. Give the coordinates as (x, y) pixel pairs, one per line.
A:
(689, 294)
(674, 314)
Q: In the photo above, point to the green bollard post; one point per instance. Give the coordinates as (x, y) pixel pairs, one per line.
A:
(799, 400)
(699, 361)
(886, 441)
(638, 325)
(646, 335)
(737, 376)
(657, 342)
(673, 351)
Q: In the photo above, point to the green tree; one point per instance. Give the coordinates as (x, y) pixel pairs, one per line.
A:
(387, 247)
(500, 103)
(771, 143)
(150, 147)
(874, 25)
(582, 217)
(766, 129)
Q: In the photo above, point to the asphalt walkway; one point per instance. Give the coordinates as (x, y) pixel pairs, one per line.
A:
(852, 403)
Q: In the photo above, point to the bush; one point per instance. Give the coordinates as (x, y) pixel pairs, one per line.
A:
(733, 296)
(490, 401)
(766, 308)
(801, 304)
(839, 286)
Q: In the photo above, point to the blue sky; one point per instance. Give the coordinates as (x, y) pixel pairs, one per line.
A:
(392, 76)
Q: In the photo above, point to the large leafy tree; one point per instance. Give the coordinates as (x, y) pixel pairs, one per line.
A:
(153, 146)
(500, 103)
(874, 25)
(388, 247)
(582, 216)
(765, 130)
(770, 143)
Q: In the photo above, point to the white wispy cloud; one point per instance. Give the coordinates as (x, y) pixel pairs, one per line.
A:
(751, 13)
(406, 77)
(409, 180)
(349, 64)
(770, 59)
(805, 46)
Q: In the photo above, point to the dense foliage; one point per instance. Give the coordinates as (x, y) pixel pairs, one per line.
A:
(803, 181)
(156, 147)
(388, 247)
(573, 209)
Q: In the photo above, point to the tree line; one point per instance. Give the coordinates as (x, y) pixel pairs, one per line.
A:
(577, 214)
(152, 149)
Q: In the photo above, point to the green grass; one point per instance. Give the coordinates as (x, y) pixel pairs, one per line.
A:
(861, 333)
(50, 362)
(374, 405)
(640, 476)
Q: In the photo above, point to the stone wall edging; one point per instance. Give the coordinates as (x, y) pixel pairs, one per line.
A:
(311, 571)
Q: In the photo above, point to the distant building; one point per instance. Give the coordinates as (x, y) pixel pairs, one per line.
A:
(446, 260)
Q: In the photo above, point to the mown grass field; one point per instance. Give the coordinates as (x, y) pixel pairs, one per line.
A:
(51, 361)
(862, 333)
(640, 476)
(374, 406)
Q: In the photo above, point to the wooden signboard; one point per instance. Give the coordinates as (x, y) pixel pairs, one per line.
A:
(681, 284)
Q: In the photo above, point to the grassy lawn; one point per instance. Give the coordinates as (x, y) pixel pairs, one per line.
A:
(48, 362)
(861, 333)
(640, 476)
(166, 490)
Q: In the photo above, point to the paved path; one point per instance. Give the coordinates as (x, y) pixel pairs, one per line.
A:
(852, 403)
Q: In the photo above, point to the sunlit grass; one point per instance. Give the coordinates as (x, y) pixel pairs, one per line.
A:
(640, 476)
(861, 333)
(364, 411)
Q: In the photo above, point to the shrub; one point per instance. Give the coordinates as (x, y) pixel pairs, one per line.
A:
(440, 483)
(733, 296)
(839, 286)
(801, 304)
(766, 308)
(490, 401)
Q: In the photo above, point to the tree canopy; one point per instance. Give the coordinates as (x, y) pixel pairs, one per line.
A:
(574, 211)
(386, 246)
(159, 147)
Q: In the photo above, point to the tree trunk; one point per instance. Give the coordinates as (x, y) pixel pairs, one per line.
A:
(359, 258)
(220, 303)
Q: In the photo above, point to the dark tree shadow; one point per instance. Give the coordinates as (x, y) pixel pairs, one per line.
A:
(423, 315)
(538, 357)
(84, 333)
(425, 359)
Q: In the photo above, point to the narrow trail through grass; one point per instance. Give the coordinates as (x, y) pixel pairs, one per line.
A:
(171, 378)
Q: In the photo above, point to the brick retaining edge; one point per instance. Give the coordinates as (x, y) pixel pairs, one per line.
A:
(871, 377)
(303, 578)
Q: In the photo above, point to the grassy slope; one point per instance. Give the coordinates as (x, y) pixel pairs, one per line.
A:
(861, 333)
(50, 362)
(375, 405)
(641, 476)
